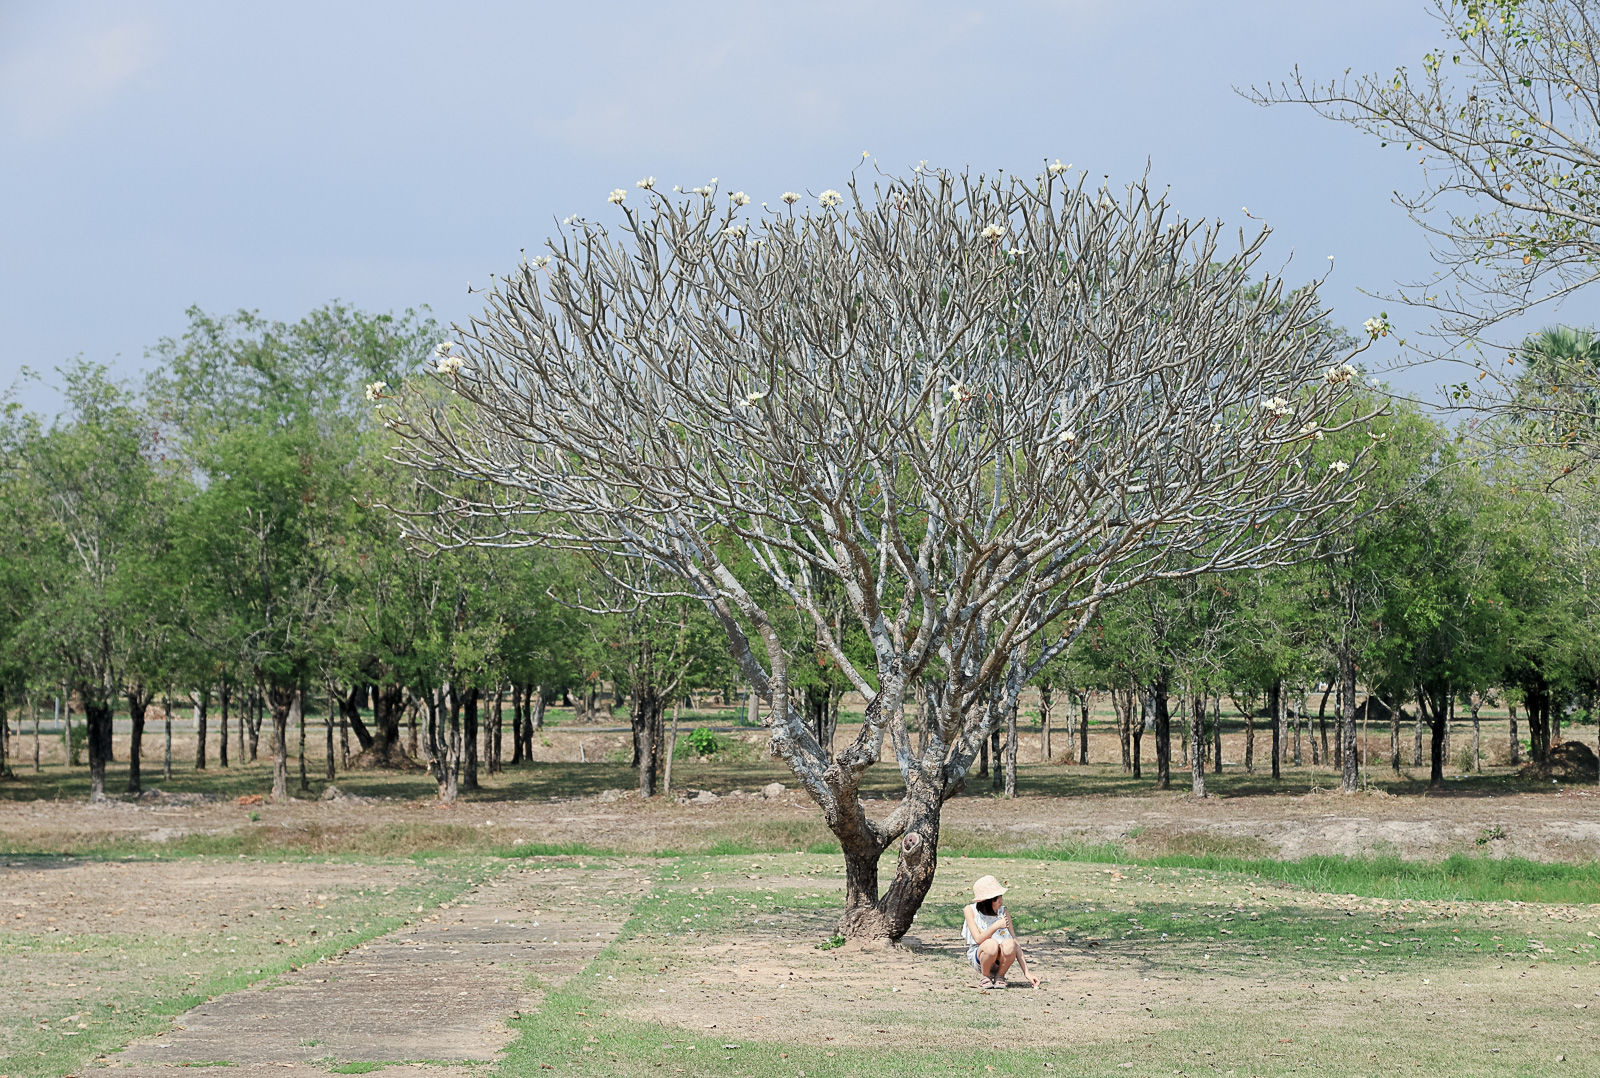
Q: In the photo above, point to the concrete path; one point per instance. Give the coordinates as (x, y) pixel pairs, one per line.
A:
(439, 991)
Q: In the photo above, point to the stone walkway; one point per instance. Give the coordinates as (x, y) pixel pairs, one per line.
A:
(439, 991)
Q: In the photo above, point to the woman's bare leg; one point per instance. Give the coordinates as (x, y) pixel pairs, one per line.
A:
(1007, 955)
(989, 957)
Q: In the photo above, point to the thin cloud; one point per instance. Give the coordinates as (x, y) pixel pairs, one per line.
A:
(47, 85)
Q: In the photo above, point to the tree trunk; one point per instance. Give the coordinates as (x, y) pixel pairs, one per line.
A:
(1322, 724)
(996, 757)
(1516, 739)
(1350, 779)
(286, 706)
(983, 758)
(350, 713)
(256, 713)
(97, 722)
(1216, 735)
(672, 750)
(202, 701)
(1416, 748)
(380, 744)
(469, 740)
(867, 914)
(1046, 702)
(1197, 743)
(519, 696)
(1394, 736)
(1275, 708)
(1083, 727)
(1477, 735)
(1123, 706)
(495, 728)
(1163, 732)
(328, 724)
(447, 742)
(300, 719)
(1440, 716)
(1298, 724)
(647, 724)
(1137, 726)
(36, 737)
(1011, 749)
(1249, 736)
(166, 722)
(138, 703)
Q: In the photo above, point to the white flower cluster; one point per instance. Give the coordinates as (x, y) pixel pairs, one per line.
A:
(443, 348)
(960, 391)
(1058, 168)
(1339, 467)
(790, 198)
(1277, 406)
(1312, 431)
(829, 199)
(646, 184)
(1377, 327)
(1066, 437)
(734, 232)
(706, 191)
(616, 197)
(739, 198)
(1015, 252)
(541, 261)
(993, 232)
(449, 365)
(1338, 376)
(754, 398)
(375, 390)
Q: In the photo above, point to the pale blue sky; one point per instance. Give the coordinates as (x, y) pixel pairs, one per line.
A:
(276, 156)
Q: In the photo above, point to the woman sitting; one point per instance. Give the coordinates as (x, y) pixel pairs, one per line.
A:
(991, 937)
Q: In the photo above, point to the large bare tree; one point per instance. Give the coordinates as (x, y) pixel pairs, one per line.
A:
(978, 406)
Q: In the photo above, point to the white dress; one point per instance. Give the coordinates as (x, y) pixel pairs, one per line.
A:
(983, 921)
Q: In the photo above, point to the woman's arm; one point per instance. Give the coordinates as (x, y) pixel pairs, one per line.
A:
(980, 934)
(1022, 959)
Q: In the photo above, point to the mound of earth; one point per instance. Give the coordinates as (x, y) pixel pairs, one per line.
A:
(1570, 761)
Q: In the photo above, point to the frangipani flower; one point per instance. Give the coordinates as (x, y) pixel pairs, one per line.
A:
(1339, 375)
(1313, 431)
(449, 365)
(443, 348)
(1277, 406)
(1339, 467)
(646, 184)
(1377, 327)
(1058, 168)
(376, 390)
(829, 199)
(739, 198)
(734, 232)
(755, 397)
(993, 232)
(790, 198)
(1066, 437)
(616, 197)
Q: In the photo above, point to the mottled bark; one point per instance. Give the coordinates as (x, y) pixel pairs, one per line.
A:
(202, 702)
(138, 705)
(1197, 745)
(469, 739)
(97, 722)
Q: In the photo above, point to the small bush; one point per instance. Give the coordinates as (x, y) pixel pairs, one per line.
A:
(703, 742)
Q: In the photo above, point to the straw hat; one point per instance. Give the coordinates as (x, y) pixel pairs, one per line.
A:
(987, 887)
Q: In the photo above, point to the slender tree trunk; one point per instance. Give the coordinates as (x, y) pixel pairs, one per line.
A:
(1275, 706)
(647, 705)
(222, 727)
(469, 740)
(1045, 704)
(496, 744)
(300, 719)
(1322, 723)
(1350, 779)
(202, 702)
(286, 707)
(983, 758)
(1163, 732)
(1394, 736)
(1299, 725)
(1555, 725)
(1138, 726)
(36, 765)
(1416, 748)
(1436, 749)
(1477, 735)
(138, 703)
(996, 756)
(333, 714)
(1011, 749)
(519, 696)
(1197, 741)
(1249, 737)
(672, 750)
(1083, 726)
(1216, 734)
(1122, 704)
(258, 704)
(166, 722)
